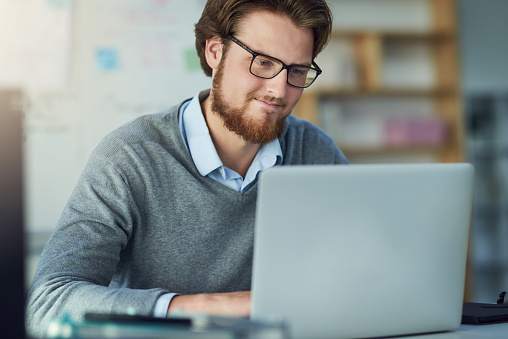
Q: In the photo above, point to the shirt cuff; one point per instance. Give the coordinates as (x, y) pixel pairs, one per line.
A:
(162, 305)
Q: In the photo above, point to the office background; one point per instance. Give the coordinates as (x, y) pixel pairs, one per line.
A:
(485, 92)
(86, 66)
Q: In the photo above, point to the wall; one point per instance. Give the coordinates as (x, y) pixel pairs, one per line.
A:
(483, 27)
(85, 67)
(118, 59)
(484, 48)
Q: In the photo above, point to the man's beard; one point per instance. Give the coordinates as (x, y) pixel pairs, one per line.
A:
(237, 121)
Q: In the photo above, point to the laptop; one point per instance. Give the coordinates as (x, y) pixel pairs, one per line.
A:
(362, 251)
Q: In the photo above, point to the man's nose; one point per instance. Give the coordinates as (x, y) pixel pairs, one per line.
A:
(277, 85)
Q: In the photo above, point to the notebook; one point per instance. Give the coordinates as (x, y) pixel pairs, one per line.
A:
(362, 251)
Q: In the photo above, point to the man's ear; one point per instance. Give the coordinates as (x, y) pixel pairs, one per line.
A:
(213, 52)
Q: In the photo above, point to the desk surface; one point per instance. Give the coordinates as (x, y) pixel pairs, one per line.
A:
(496, 331)
(90, 330)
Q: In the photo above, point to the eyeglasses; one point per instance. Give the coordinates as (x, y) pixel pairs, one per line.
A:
(267, 67)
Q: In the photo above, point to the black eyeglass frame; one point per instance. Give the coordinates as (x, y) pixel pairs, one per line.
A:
(284, 66)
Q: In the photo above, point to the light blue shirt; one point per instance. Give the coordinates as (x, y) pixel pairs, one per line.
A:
(196, 137)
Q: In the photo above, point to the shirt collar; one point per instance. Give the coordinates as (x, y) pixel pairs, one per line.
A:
(199, 142)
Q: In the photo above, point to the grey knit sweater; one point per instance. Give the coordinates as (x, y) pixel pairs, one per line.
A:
(142, 222)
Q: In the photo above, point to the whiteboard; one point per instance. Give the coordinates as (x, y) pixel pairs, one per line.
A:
(88, 66)
(97, 65)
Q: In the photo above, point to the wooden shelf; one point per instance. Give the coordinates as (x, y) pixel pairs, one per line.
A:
(387, 150)
(369, 52)
(381, 92)
(395, 35)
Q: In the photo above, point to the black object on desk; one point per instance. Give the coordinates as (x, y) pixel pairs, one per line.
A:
(479, 314)
(136, 319)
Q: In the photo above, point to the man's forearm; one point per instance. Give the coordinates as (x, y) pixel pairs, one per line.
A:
(232, 304)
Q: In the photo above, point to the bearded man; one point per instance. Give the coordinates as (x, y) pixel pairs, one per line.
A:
(162, 217)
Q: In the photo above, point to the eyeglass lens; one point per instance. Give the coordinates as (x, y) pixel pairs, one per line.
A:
(266, 67)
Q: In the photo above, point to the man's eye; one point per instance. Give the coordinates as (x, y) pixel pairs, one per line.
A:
(298, 72)
(264, 63)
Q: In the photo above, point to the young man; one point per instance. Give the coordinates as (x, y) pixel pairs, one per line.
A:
(162, 217)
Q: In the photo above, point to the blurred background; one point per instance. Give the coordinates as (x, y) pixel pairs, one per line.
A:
(403, 81)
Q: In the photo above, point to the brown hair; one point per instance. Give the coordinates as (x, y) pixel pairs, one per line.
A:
(221, 18)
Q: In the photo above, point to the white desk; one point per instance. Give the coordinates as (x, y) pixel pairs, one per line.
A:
(496, 331)
(94, 330)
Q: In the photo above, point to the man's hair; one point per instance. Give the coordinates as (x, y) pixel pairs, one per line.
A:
(221, 18)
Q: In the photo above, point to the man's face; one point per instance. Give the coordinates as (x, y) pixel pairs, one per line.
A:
(252, 107)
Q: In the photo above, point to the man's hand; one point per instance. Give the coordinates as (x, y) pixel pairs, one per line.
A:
(232, 304)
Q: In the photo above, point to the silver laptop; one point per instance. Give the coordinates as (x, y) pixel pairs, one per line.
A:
(362, 250)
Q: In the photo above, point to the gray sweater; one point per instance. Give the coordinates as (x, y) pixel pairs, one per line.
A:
(142, 222)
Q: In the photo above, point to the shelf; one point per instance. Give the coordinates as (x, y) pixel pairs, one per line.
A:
(387, 150)
(486, 267)
(395, 34)
(390, 72)
(381, 92)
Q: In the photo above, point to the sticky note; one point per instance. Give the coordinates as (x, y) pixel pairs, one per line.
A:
(192, 62)
(106, 59)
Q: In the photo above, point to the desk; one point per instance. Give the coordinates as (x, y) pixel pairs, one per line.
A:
(66, 329)
(496, 331)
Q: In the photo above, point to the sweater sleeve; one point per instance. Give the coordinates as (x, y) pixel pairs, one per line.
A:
(79, 261)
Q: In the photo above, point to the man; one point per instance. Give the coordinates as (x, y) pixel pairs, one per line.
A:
(162, 217)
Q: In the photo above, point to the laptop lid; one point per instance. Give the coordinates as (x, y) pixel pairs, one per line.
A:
(362, 250)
